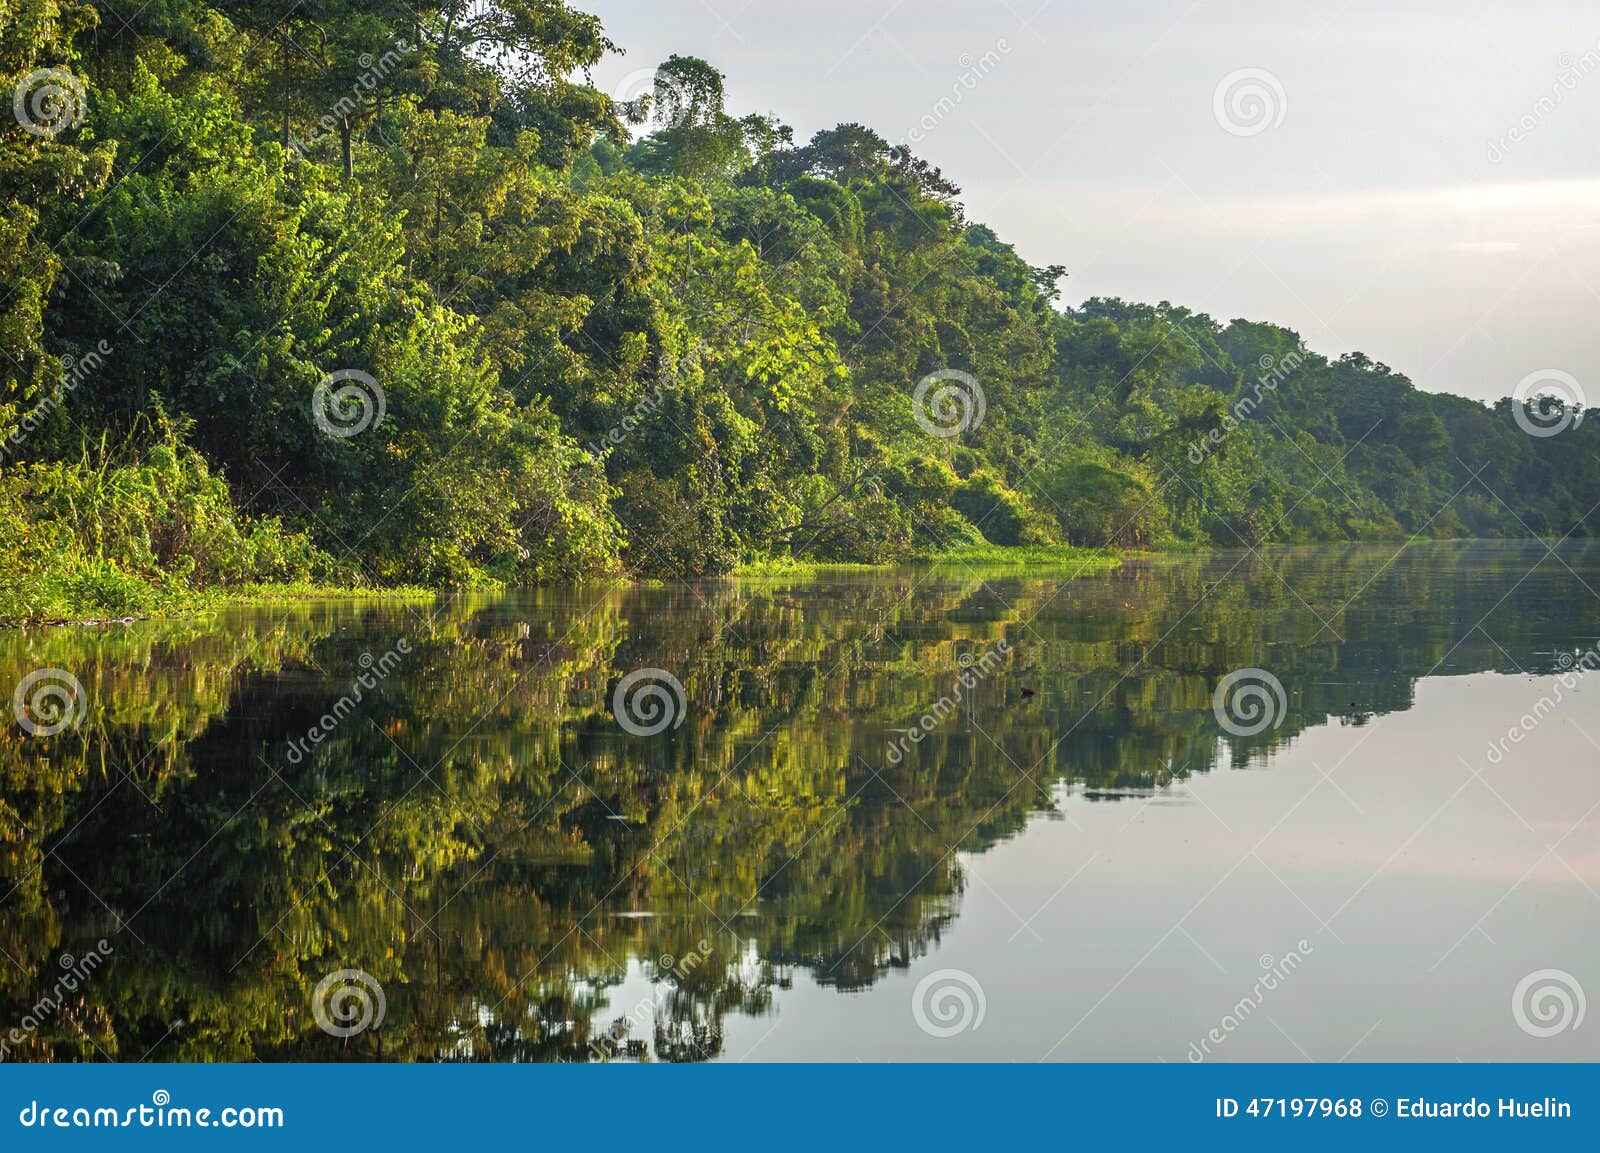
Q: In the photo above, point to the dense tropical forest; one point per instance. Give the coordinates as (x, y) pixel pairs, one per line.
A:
(388, 294)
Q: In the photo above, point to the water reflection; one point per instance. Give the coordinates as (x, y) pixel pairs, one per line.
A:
(440, 796)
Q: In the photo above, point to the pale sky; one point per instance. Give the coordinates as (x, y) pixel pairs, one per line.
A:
(1380, 195)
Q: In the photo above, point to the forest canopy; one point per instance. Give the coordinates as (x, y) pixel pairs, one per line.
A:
(386, 293)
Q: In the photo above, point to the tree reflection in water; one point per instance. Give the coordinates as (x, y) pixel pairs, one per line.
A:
(478, 833)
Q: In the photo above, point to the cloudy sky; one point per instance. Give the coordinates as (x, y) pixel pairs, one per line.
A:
(1416, 179)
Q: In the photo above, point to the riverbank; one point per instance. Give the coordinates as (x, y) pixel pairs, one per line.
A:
(1074, 560)
(98, 603)
(171, 603)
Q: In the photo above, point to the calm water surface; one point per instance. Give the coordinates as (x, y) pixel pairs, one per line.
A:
(1078, 859)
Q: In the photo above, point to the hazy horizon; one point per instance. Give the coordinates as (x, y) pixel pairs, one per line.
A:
(1404, 180)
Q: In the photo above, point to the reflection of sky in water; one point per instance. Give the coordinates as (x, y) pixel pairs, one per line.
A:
(1437, 899)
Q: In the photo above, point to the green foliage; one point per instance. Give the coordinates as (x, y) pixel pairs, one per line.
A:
(1100, 503)
(51, 169)
(669, 355)
(114, 533)
(1002, 515)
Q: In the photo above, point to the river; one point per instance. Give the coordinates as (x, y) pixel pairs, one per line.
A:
(1308, 803)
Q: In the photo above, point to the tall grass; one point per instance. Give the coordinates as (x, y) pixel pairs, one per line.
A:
(133, 528)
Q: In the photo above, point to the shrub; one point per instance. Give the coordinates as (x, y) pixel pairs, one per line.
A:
(119, 532)
(1001, 514)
